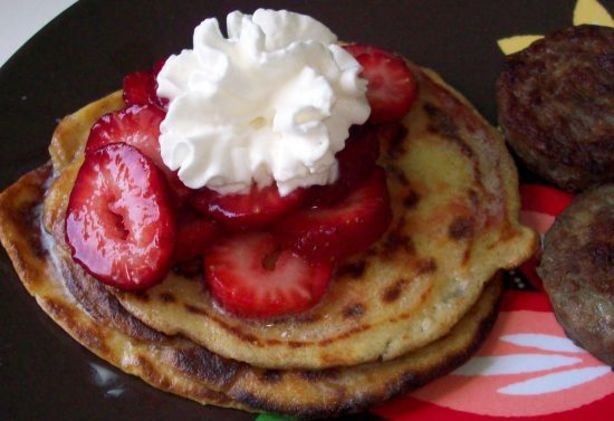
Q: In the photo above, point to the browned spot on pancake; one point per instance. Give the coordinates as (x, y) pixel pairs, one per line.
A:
(140, 295)
(205, 366)
(87, 334)
(247, 337)
(508, 233)
(466, 256)
(97, 300)
(196, 310)
(345, 334)
(319, 375)
(354, 310)
(20, 211)
(146, 367)
(460, 228)
(152, 373)
(474, 198)
(423, 297)
(271, 376)
(298, 318)
(398, 174)
(393, 136)
(426, 266)
(411, 199)
(442, 123)
(396, 241)
(393, 292)
(305, 318)
(352, 270)
(210, 397)
(167, 297)
(30, 218)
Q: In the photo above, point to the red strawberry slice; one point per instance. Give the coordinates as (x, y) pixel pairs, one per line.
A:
(349, 227)
(249, 211)
(194, 235)
(139, 88)
(391, 88)
(252, 277)
(155, 70)
(136, 125)
(139, 126)
(356, 161)
(119, 222)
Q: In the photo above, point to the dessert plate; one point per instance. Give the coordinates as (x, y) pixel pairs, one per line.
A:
(82, 55)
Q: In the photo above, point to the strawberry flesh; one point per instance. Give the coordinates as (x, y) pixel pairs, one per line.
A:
(250, 276)
(391, 88)
(338, 231)
(155, 70)
(194, 234)
(356, 161)
(119, 221)
(253, 210)
(138, 126)
(139, 88)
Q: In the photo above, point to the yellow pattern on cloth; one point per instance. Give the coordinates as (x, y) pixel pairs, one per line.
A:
(517, 43)
(593, 13)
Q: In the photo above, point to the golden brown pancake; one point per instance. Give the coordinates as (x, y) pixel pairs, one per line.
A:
(91, 315)
(455, 202)
(30, 250)
(412, 308)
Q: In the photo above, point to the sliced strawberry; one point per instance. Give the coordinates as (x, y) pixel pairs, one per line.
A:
(356, 161)
(191, 268)
(139, 88)
(391, 88)
(249, 211)
(251, 276)
(194, 234)
(338, 231)
(139, 126)
(119, 221)
(155, 70)
(136, 125)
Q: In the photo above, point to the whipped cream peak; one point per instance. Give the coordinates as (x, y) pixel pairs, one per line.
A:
(271, 102)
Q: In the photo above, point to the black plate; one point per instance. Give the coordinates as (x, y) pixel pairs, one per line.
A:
(83, 54)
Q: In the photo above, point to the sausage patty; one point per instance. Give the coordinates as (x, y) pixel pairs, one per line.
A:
(556, 106)
(577, 268)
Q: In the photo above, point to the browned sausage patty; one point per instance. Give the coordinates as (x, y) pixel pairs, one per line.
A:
(577, 268)
(556, 106)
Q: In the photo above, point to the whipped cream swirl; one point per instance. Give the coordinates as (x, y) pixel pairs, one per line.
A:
(272, 102)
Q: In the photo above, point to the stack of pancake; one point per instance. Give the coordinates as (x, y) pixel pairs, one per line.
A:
(412, 308)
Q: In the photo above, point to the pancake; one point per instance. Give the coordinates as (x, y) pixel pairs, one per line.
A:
(455, 202)
(29, 249)
(87, 311)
